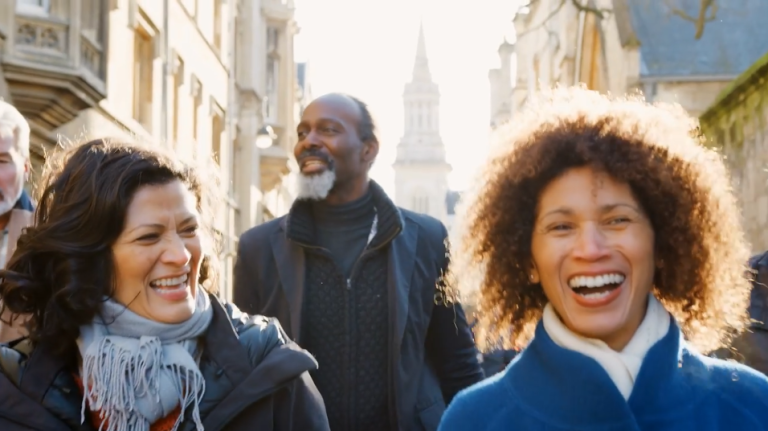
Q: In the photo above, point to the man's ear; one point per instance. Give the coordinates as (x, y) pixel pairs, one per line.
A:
(370, 150)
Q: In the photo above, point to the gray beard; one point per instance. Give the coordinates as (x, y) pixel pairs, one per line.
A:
(6, 204)
(316, 187)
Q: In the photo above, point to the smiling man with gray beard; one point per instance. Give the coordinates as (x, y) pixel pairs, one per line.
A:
(15, 206)
(353, 279)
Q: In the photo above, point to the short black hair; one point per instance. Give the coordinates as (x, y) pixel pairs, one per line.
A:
(366, 128)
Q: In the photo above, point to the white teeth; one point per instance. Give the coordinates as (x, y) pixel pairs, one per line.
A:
(596, 295)
(166, 282)
(597, 281)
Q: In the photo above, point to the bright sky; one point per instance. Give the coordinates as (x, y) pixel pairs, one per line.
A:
(366, 48)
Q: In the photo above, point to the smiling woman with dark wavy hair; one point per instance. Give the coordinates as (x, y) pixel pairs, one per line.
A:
(605, 239)
(125, 333)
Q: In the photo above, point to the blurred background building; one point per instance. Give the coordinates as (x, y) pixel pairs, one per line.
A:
(421, 169)
(716, 71)
(622, 46)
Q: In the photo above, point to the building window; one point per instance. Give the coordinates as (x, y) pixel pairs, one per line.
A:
(217, 128)
(143, 67)
(197, 102)
(178, 82)
(418, 116)
(91, 19)
(421, 204)
(273, 74)
(233, 156)
(33, 7)
(217, 24)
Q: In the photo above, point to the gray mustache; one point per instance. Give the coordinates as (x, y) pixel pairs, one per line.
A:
(317, 155)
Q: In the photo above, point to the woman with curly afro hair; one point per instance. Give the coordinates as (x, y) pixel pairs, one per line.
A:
(605, 238)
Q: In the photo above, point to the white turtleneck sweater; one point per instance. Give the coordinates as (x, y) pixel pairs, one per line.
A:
(621, 366)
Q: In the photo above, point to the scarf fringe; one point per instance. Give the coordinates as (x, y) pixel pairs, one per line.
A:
(116, 376)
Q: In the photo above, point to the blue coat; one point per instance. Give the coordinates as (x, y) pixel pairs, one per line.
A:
(550, 388)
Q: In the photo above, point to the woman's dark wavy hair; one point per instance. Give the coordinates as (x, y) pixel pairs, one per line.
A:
(682, 186)
(63, 266)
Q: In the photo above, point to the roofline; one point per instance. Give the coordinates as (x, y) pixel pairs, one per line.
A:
(627, 34)
(685, 78)
(756, 71)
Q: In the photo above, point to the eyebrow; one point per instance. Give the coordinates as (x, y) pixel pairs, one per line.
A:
(603, 209)
(305, 124)
(160, 225)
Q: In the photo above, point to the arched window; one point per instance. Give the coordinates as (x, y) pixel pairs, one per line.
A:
(421, 203)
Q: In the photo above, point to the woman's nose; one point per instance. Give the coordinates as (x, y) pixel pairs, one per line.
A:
(176, 252)
(590, 244)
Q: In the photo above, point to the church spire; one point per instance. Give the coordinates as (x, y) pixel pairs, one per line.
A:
(421, 66)
(421, 50)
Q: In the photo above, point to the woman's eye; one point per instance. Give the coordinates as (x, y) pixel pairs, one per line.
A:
(149, 237)
(560, 227)
(619, 220)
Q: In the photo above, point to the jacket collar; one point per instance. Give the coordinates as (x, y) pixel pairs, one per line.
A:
(300, 227)
(245, 384)
(24, 202)
(570, 388)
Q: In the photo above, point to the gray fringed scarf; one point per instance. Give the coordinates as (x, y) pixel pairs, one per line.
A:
(136, 371)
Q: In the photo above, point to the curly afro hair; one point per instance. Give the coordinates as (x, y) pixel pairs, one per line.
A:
(682, 186)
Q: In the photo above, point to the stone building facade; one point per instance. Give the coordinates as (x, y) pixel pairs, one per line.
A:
(636, 45)
(737, 124)
(200, 76)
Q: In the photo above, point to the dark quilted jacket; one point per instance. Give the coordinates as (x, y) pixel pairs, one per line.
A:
(752, 346)
(255, 377)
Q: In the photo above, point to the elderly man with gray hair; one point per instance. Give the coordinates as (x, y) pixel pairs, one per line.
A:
(16, 208)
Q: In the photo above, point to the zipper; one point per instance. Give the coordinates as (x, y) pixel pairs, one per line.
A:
(366, 252)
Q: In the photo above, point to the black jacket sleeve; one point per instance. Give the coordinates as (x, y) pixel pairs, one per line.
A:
(245, 286)
(451, 345)
(301, 407)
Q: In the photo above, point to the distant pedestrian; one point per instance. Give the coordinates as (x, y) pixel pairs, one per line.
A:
(15, 205)
(751, 347)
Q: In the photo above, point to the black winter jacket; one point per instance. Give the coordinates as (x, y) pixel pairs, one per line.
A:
(751, 348)
(431, 354)
(255, 378)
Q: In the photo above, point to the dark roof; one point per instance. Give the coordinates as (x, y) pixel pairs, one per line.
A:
(729, 45)
(451, 199)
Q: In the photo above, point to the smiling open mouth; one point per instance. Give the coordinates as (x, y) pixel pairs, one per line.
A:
(596, 287)
(170, 283)
(313, 165)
